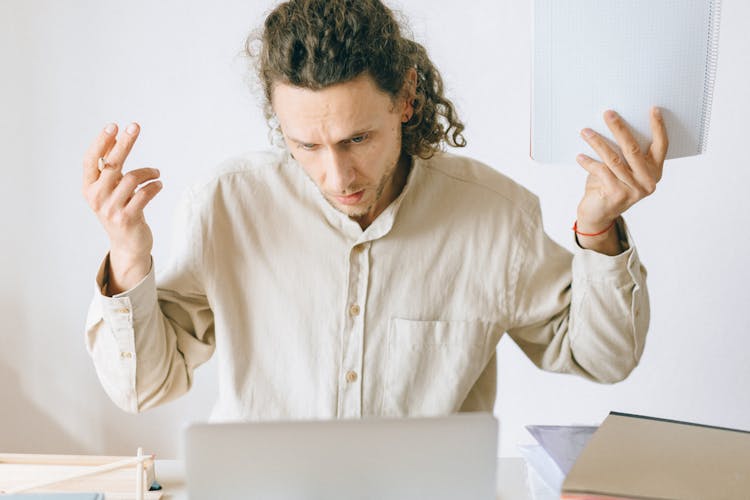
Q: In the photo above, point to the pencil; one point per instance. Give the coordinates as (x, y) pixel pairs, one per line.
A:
(139, 476)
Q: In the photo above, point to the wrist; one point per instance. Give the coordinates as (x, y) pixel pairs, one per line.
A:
(593, 229)
(604, 237)
(124, 271)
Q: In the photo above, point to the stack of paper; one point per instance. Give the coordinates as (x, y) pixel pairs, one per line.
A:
(553, 457)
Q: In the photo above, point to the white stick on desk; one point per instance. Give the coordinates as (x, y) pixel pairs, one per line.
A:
(139, 476)
(95, 470)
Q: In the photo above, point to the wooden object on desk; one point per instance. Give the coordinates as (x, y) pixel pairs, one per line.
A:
(17, 470)
(632, 456)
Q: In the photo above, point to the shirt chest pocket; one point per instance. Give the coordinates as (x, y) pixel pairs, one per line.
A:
(430, 366)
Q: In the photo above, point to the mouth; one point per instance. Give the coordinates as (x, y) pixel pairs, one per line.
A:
(351, 199)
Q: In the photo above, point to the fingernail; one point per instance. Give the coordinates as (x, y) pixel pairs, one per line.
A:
(581, 158)
(610, 115)
(110, 128)
(657, 112)
(587, 132)
(132, 128)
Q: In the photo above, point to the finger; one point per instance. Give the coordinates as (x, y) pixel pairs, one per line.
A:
(116, 157)
(111, 175)
(610, 158)
(126, 188)
(110, 193)
(141, 198)
(600, 171)
(660, 144)
(100, 147)
(630, 149)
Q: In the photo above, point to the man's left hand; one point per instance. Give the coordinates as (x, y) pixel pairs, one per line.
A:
(618, 181)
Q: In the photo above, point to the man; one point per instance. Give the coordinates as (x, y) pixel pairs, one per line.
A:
(361, 271)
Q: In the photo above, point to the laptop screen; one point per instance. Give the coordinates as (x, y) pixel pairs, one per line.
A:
(373, 458)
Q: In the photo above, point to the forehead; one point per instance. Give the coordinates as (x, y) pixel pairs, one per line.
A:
(337, 108)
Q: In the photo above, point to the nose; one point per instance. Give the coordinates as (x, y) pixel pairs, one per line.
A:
(340, 174)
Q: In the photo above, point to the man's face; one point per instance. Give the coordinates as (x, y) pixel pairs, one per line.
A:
(347, 138)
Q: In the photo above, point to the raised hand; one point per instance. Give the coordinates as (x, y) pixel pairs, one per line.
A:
(618, 181)
(118, 201)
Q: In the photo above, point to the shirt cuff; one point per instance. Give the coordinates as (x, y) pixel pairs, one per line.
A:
(110, 332)
(594, 266)
(102, 280)
(117, 310)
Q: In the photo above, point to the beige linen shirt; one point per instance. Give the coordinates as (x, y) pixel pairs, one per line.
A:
(312, 317)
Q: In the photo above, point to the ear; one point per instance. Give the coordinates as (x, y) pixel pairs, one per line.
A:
(409, 93)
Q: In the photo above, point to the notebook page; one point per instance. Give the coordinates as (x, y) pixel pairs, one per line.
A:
(626, 55)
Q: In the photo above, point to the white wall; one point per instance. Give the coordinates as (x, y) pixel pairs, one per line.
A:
(70, 67)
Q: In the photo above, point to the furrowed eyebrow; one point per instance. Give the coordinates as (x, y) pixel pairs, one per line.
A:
(298, 141)
(359, 133)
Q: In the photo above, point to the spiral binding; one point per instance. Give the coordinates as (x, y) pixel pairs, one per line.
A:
(709, 79)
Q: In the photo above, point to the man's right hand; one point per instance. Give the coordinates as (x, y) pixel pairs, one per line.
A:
(118, 203)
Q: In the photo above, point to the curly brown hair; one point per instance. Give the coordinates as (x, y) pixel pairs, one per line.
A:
(318, 43)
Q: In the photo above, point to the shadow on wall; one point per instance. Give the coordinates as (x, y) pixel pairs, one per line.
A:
(25, 427)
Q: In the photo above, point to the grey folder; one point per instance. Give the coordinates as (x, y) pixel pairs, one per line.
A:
(632, 456)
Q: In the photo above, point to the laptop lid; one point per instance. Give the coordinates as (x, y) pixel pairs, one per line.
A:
(439, 458)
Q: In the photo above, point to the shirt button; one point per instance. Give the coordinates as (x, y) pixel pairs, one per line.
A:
(351, 376)
(122, 310)
(354, 310)
(126, 355)
(357, 249)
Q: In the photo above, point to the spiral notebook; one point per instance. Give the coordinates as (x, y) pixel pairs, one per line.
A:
(626, 55)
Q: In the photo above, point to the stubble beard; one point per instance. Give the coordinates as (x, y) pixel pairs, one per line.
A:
(359, 213)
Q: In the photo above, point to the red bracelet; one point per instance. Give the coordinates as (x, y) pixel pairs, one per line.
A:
(575, 228)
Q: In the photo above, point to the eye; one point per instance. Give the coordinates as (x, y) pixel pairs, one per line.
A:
(359, 139)
(306, 147)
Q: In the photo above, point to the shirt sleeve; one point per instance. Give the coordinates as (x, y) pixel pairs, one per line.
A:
(146, 342)
(586, 313)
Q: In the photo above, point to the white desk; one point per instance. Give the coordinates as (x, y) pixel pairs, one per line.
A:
(511, 474)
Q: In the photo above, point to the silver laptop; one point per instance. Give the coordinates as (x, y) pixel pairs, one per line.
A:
(442, 458)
